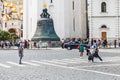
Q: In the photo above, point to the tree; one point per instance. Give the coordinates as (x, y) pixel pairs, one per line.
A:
(14, 36)
(4, 35)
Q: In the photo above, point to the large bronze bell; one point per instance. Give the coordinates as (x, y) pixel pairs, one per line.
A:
(45, 29)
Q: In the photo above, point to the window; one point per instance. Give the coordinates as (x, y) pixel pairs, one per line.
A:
(103, 7)
(5, 24)
(103, 26)
(12, 30)
(73, 5)
(73, 24)
(12, 24)
(21, 26)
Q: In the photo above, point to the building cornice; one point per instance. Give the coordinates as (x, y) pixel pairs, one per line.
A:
(104, 16)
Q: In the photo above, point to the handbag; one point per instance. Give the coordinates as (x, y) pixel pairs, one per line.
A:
(78, 47)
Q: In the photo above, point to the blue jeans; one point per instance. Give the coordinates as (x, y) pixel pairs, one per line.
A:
(20, 59)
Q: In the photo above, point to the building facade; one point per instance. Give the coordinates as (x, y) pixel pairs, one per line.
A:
(69, 17)
(11, 17)
(104, 19)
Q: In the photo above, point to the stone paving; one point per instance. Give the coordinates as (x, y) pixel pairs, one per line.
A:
(59, 64)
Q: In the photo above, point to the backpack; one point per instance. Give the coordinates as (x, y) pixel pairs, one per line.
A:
(20, 50)
(78, 47)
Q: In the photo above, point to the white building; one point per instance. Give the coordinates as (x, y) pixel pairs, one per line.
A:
(104, 19)
(69, 17)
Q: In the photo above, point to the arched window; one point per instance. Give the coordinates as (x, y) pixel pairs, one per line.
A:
(12, 30)
(103, 26)
(103, 7)
(5, 24)
(73, 24)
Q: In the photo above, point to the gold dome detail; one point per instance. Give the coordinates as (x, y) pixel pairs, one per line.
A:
(45, 5)
(14, 10)
(6, 17)
(21, 12)
(3, 0)
(11, 5)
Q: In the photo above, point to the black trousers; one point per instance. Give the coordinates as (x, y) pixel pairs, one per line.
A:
(97, 56)
(91, 57)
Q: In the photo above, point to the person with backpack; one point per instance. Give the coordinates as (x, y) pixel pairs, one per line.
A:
(20, 51)
(96, 50)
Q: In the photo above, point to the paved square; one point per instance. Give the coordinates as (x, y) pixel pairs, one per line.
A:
(59, 64)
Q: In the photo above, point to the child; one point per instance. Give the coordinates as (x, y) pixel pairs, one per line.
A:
(90, 56)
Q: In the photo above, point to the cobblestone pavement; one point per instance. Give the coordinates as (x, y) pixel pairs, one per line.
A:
(59, 64)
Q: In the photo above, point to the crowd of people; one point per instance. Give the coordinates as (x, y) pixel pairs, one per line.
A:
(91, 55)
(106, 44)
(8, 44)
(84, 46)
(101, 43)
(94, 44)
(26, 44)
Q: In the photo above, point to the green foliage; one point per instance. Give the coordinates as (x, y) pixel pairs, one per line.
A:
(14, 36)
(4, 35)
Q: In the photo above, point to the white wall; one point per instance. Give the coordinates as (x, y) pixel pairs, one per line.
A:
(80, 19)
(59, 18)
(25, 18)
(111, 27)
(29, 18)
(110, 19)
(111, 7)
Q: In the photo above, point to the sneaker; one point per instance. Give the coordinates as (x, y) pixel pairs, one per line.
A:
(20, 63)
(101, 60)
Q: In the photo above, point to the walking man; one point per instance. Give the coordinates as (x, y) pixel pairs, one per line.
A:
(20, 51)
(96, 50)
